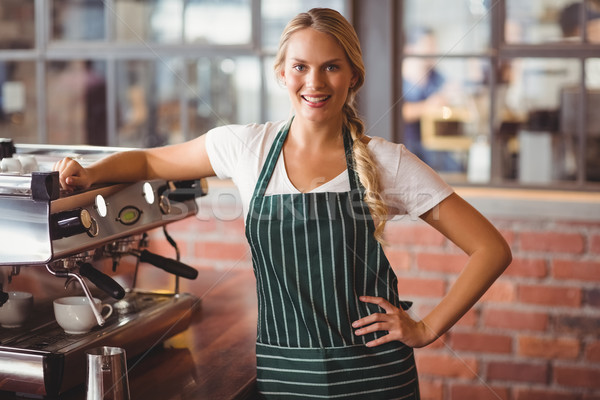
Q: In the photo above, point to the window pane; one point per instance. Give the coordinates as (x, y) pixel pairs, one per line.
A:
(462, 28)
(76, 102)
(278, 101)
(17, 30)
(223, 91)
(276, 14)
(539, 148)
(78, 20)
(148, 102)
(446, 112)
(540, 21)
(218, 22)
(158, 21)
(18, 111)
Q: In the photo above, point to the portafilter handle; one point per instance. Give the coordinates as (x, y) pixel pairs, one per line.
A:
(102, 281)
(168, 264)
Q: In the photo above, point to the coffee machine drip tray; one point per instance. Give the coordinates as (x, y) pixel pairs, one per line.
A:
(41, 359)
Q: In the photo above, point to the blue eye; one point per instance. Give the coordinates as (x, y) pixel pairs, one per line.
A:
(299, 68)
(331, 68)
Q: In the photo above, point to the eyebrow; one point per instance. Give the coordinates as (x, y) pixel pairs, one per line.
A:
(334, 60)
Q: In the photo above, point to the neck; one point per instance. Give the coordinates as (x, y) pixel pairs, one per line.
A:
(309, 134)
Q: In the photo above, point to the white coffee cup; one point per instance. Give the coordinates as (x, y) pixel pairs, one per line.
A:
(11, 165)
(16, 310)
(28, 163)
(74, 314)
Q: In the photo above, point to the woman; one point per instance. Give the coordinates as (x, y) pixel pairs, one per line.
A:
(317, 192)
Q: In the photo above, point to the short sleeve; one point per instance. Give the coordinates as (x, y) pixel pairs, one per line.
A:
(409, 186)
(224, 146)
(418, 186)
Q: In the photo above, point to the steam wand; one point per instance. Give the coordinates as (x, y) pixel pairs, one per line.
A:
(88, 294)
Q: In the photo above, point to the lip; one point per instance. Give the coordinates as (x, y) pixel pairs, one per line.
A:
(315, 100)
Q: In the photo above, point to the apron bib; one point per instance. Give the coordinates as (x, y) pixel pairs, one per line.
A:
(314, 254)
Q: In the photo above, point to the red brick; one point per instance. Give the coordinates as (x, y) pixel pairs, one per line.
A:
(556, 348)
(595, 244)
(577, 324)
(233, 227)
(502, 291)
(579, 377)
(515, 320)
(222, 251)
(462, 392)
(470, 318)
(550, 296)
(421, 287)
(399, 259)
(527, 267)
(164, 248)
(544, 394)
(581, 270)
(431, 389)
(481, 342)
(449, 263)
(398, 233)
(446, 366)
(592, 351)
(517, 372)
(553, 242)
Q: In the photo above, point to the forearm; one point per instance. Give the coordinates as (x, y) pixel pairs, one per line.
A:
(480, 272)
(127, 166)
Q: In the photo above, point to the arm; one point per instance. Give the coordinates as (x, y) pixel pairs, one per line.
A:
(489, 255)
(181, 161)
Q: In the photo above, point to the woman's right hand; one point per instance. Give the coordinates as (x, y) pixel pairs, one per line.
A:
(72, 175)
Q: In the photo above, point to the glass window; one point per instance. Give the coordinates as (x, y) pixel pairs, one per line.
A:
(18, 101)
(275, 14)
(148, 102)
(223, 90)
(17, 29)
(446, 111)
(540, 147)
(78, 20)
(542, 21)
(278, 105)
(462, 28)
(76, 102)
(158, 21)
(223, 22)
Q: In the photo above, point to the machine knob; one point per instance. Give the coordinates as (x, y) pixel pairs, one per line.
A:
(72, 222)
(7, 148)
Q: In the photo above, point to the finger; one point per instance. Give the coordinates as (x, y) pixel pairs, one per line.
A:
(379, 301)
(369, 319)
(379, 341)
(376, 327)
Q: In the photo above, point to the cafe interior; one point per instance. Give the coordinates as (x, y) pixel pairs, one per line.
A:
(500, 97)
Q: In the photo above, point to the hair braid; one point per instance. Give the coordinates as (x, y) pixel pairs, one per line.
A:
(368, 173)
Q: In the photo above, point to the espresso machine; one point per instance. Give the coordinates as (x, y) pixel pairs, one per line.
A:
(60, 242)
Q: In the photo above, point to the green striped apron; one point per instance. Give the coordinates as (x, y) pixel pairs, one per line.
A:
(313, 255)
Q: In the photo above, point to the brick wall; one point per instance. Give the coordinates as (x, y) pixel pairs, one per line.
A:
(534, 335)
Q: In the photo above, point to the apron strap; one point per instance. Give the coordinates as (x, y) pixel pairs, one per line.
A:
(271, 160)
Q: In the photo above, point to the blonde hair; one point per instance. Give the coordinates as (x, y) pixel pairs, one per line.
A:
(333, 23)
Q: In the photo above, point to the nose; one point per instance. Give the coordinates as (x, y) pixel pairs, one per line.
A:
(315, 79)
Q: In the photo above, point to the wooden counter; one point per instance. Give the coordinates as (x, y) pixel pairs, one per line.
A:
(213, 359)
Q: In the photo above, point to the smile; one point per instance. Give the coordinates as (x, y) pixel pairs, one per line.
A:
(315, 100)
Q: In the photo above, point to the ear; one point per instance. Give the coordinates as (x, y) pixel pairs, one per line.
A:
(281, 76)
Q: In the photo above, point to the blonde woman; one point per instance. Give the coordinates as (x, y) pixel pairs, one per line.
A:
(316, 193)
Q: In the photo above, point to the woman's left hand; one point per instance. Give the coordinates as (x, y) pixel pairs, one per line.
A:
(399, 325)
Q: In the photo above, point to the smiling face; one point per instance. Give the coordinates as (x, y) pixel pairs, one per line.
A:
(317, 75)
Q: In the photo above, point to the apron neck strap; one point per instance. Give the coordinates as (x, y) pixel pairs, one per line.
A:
(273, 156)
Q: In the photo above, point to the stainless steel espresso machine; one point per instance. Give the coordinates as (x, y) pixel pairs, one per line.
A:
(58, 240)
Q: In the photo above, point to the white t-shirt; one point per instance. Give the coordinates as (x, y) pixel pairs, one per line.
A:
(408, 185)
